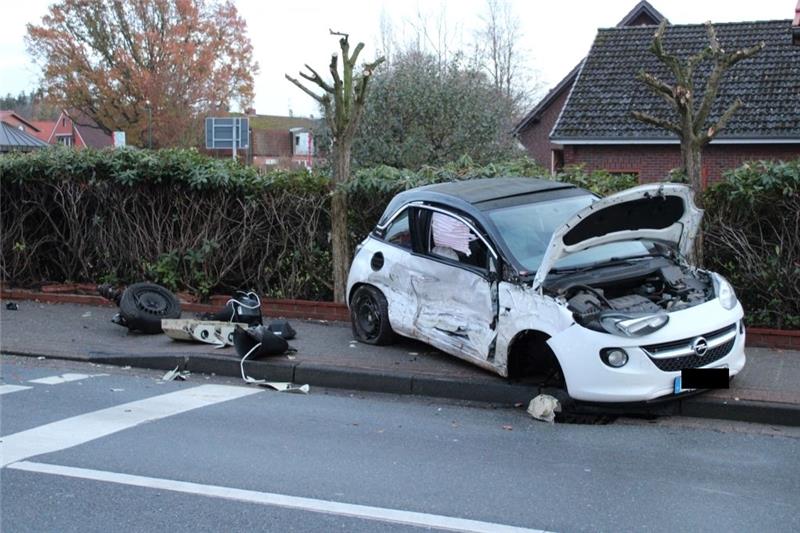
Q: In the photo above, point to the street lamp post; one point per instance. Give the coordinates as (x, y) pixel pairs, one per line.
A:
(149, 125)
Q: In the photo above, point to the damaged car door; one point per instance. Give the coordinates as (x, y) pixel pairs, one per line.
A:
(454, 281)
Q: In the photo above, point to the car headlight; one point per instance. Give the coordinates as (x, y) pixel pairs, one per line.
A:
(633, 325)
(725, 292)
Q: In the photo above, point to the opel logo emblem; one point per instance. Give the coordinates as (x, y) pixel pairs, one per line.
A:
(700, 346)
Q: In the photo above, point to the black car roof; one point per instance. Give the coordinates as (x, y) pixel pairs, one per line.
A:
(474, 196)
(487, 189)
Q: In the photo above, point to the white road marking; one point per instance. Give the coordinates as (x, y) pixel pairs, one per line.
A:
(84, 428)
(5, 389)
(381, 514)
(64, 378)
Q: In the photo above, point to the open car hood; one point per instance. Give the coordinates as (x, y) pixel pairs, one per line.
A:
(663, 212)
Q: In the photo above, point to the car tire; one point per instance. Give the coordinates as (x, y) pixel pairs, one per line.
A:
(143, 305)
(369, 315)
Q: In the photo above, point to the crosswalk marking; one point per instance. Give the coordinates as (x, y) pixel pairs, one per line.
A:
(381, 514)
(87, 427)
(63, 378)
(5, 389)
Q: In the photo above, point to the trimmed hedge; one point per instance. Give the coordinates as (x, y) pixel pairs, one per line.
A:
(752, 236)
(206, 225)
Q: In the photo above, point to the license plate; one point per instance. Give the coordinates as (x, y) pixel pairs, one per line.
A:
(702, 378)
(678, 386)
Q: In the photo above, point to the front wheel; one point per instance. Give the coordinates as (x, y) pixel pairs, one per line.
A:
(369, 314)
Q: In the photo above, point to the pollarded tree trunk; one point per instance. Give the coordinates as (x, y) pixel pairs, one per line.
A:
(343, 102)
(340, 241)
(691, 155)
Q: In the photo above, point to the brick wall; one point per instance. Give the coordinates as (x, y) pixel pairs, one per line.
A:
(653, 162)
(536, 137)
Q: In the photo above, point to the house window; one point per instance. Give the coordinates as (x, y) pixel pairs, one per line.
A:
(64, 121)
(65, 140)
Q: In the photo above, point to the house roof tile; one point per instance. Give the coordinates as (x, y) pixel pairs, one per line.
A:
(607, 90)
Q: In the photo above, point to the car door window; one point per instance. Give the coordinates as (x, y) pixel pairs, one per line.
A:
(398, 232)
(453, 240)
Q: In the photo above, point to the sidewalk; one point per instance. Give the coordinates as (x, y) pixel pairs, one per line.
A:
(766, 391)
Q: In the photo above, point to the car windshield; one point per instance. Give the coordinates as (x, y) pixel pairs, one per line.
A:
(527, 229)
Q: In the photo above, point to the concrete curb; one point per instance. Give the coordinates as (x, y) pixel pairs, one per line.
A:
(367, 380)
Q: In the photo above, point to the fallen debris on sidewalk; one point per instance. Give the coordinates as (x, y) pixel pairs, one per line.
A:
(213, 332)
(544, 407)
(176, 374)
(243, 307)
(261, 341)
(142, 306)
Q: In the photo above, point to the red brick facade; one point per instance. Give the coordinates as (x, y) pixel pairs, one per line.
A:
(536, 137)
(653, 162)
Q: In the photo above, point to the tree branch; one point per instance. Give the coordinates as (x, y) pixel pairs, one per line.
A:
(657, 47)
(659, 87)
(722, 122)
(316, 78)
(305, 89)
(655, 121)
(722, 64)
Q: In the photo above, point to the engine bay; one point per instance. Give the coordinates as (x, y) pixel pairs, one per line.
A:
(667, 288)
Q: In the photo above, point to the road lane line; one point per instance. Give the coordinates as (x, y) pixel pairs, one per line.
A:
(84, 428)
(380, 514)
(6, 389)
(63, 378)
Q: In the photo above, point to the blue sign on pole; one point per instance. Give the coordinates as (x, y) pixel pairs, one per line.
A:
(227, 133)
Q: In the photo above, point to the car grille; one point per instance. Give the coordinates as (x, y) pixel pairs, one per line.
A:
(677, 355)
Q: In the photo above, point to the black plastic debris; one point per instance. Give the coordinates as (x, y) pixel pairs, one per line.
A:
(258, 341)
(110, 292)
(11, 306)
(243, 307)
(143, 305)
(282, 329)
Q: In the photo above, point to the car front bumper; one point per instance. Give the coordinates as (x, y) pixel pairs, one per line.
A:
(589, 379)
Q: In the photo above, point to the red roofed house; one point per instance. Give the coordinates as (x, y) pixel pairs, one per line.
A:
(76, 129)
(533, 131)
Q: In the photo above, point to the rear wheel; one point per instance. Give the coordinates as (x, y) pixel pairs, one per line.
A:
(369, 314)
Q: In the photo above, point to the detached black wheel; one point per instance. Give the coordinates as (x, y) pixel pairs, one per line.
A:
(143, 305)
(369, 314)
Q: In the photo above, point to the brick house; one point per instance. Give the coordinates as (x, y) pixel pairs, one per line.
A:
(282, 142)
(533, 131)
(277, 142)
(73, 128)
(18, 134)
(595, 126)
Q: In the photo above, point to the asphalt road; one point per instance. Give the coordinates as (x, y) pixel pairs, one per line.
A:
(97, 448)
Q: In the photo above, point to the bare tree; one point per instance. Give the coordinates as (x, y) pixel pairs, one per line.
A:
(691, 120)
(343, 103)
(500, 54)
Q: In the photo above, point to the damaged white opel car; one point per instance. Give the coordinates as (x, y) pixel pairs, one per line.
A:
(537, 278)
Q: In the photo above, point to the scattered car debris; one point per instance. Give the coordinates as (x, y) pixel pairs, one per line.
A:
(142, 306)
(282, 329)
(176, 374)
(11, 306)
(260, 341)
(544, 407)
(243, 307)
(208, 331)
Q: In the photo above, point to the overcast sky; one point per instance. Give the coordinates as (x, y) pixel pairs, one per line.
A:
(286, 35)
